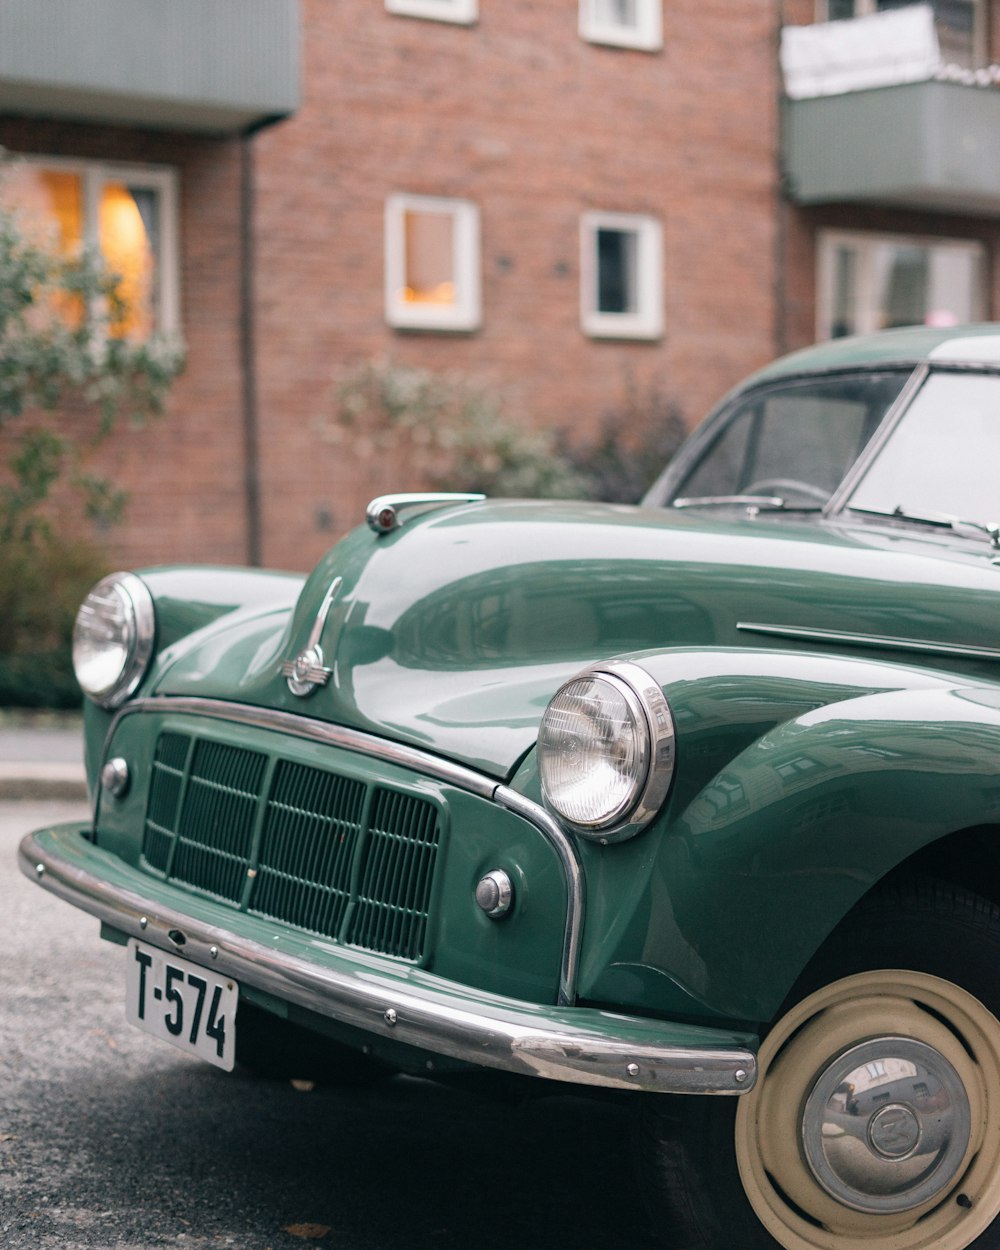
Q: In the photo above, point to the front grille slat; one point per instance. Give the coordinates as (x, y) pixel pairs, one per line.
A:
(394, 895)
(318, 832)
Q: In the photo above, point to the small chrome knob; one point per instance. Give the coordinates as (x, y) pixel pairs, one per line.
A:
(495, 894)
(115, 777)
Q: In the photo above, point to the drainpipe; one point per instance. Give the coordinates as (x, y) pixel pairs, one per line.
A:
(248, 354)
(780, 325)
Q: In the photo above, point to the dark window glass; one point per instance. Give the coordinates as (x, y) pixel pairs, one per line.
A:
(616, 261)
(795, 441)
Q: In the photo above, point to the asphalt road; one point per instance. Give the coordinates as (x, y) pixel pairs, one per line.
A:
(110, 1139)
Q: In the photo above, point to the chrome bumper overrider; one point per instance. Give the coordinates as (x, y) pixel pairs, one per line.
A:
(585, 1046)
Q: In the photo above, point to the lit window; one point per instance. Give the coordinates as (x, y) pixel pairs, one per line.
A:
(464, 11)
(959, 24)
(625, 23)
(432, 263)
(874, 282)
(129, 213)
(621, 284)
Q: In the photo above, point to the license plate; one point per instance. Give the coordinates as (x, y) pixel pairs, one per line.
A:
(181, 1003)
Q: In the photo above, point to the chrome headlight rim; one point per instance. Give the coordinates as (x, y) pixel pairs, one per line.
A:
(650, 710)
(138, 640)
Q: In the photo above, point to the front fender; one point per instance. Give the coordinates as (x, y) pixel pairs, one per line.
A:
(807, 789)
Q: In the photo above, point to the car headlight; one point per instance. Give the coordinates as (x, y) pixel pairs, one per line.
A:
(113, 638)
(606, 752)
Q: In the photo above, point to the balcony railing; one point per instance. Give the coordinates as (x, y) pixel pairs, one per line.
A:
(873, 115)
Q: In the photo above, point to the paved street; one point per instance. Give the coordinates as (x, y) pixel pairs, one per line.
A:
(111, 1139)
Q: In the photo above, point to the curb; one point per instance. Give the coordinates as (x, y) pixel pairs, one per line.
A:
(25, 780)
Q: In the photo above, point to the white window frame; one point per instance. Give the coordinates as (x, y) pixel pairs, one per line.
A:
(647, 321)
(464, 12)
(646, 36)
(830, 240)
(466, 313)
(162, 179)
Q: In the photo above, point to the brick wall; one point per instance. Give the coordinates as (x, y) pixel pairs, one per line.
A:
(533, 124)
(536, 126)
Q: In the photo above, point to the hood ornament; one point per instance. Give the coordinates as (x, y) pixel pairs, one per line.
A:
(389, 512)
(307, 671)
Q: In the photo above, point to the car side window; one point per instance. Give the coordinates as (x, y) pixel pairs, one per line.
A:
(796, 439)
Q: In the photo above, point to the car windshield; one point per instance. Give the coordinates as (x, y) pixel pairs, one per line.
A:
(940, 462)
(790, 443)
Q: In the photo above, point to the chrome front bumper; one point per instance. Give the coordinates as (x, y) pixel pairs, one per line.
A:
(581, 1045)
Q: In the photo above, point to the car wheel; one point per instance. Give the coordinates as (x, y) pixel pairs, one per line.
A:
(271, 1047)
(875, 1120)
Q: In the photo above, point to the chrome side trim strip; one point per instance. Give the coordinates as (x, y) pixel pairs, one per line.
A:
(418, 761)
(884, 642)
(582, 1045)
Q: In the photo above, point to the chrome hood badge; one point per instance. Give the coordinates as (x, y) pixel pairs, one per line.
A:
(307, 672)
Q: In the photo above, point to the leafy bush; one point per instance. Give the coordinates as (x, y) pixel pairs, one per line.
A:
(631, 447)
(41, 585)
(442, 433)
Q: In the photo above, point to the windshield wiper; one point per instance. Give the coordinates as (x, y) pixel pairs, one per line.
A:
(940, 520)
(770, 503)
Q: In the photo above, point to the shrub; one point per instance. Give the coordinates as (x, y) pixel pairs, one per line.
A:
(41, 585)
(441, 432)
(631, 448)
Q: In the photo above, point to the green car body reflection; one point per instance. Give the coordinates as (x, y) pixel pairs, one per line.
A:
(696, 797)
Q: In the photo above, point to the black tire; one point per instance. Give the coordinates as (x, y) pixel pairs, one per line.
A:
(280, 1050)
(913, 974)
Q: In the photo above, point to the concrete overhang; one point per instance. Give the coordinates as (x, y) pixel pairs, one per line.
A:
(212, 66)
(925, 145)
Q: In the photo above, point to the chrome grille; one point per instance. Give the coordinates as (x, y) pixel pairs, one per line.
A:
(329, 854)
(396, 869)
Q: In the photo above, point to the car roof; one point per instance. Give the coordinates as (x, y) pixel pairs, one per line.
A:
(968, 344)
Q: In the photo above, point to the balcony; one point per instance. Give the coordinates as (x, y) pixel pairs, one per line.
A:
(873, 116)
(213, 66)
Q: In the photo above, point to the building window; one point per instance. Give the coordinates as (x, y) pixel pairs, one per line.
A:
(621, 276)
(465, 11)
(432, 263)
(127, 212)
(960, 24)
(873, 282)
(624, 23)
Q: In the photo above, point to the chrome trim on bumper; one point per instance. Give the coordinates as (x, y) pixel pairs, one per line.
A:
(583, 1046)
(418, 761)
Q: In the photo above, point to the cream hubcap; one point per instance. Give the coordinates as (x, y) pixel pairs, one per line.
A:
(873, 1125)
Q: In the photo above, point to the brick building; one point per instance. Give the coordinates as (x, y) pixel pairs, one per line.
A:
(567, 202)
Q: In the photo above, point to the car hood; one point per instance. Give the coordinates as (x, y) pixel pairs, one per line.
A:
(453, 632)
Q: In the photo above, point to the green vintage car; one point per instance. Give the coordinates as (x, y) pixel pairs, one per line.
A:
(697, 801)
